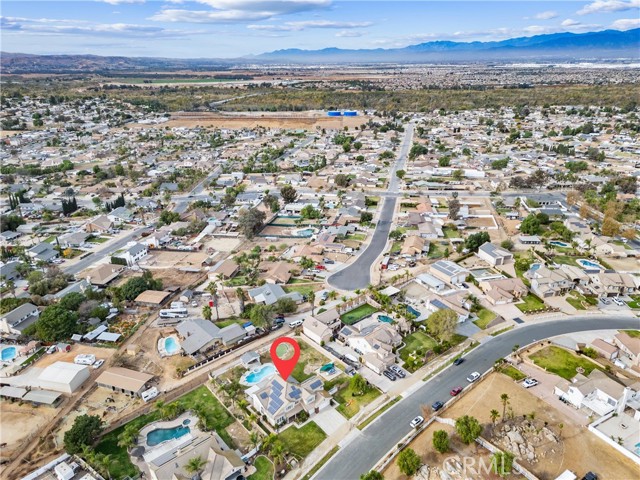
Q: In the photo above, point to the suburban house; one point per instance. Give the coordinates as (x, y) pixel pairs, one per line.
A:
(100, 224)
(103, 274)
(44, 252)
(9, 271)
(73, 239)
(629, 346)
(279, 400)
(494, 255)
(156, 239)
(457, 302)
(225, 268)
(414, 245)
(134, 253)
(15, 321)
(374, 342)
(269, 293)
(503, 290)
(197, 335)
(431, 282)
(549, 283)
(605, 349)
(120, 215)
(596, 393)
(278, 272)
(449, 272)
(613, 284)
(321, 327)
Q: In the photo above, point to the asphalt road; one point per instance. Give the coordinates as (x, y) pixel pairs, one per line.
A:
(357, 275)
(391, 427)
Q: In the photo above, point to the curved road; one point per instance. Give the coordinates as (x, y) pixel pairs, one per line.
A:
(357, 275)
(373, 443)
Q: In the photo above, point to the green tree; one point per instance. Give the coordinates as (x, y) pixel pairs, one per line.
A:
(358, 384)
(441, 441)
(72, 301)
(251, 221)
(468, 428)
(195, 465)
(507, 244)
(308, 212)
(530, 225)
(127, 438)
(494, 414)
(85, 429)
(260, 315)
(372, 475)
(474, 241)
(366, 217)
(289, 194)
(442, 324)
(284, 306)
(400, 174)
(504, 398)
(133, 287)
(409, 462)
(395, 234)
(502, 463)
(341, 180)
(458, 174)
(206, 312)
(306, 263)
(56, 323)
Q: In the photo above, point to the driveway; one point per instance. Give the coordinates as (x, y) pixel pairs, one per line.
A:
(329, 420)
(468, 329)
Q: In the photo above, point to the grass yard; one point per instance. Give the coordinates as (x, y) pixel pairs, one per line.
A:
(238, 281)
(561, 362)
(305, 290)
(216, 417)
(435, 251)
(417, 341)
(358, 314)
(635, 302)
(566, 260)
(530, 303)
(308, 355)
(513, 372)
(485, 317)
(302, 441)
(297, 280)
(360, 237)
(226, 322)
(264, 469)
(98, 239)
(450, 232)
(349, 404)
(633, 333)
(396, 246)
(579, 301)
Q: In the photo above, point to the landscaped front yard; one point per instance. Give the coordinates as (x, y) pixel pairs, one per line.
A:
(310, 360)
(485, 317)
(420, 343)
(562, 362)
(305, 290)
(579, 301)
(350, 404)
(300, 442)
(215, 416)
(635, 302)
(264, 469)
(530, 303)
(358, 314)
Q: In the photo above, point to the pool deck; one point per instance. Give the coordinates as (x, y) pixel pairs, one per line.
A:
(177, 422)
(256, 369)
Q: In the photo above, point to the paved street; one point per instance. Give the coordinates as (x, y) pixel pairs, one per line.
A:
(357, 274)
(366, 449)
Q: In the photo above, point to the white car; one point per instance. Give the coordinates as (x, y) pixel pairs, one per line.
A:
(416, 421)
(98, 363)
(473, 377)
(530, 382)
(618, 302)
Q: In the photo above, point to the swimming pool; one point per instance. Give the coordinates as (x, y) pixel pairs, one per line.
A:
(558, 243)
(155, 437)
(8, 353)
(306, 232)
(171, 346)
(584, 263)
(413, 311)
(535, 266)
(257, 375)
(385, 319)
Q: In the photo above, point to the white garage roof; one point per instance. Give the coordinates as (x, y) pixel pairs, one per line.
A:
(61, 372)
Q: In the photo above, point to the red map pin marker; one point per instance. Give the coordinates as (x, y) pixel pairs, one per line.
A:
(289, 353)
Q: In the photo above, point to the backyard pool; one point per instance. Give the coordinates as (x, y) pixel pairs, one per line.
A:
(385, 319)
(155, 437)
(8, 353)
(305, 232)
(535, 266)
(258, 374)
(556, 243)
(584, 263)
(413, 311)
(171, 345)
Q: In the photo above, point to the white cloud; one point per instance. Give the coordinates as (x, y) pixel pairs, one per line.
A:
(120, 2)
(349, 33)
(626, 24)
(232, 11)
(608, 6)
(548, 15)
(303, 25)
(569, 22)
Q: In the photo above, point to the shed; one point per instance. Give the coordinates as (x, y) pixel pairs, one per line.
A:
(123, 380)
(152, 297)
(109, 337)
(43, 397)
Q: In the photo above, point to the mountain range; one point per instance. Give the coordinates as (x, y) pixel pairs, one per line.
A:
(603, 45)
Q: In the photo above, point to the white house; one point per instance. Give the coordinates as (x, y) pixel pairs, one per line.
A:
(449, 272)
(134, 253)
(15, 321)
(597, 393)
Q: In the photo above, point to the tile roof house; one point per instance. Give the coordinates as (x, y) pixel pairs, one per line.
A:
(225, 268)
(628, 345)
(99, 224)
(281, 400)
(503, 290)
(376, 342)
(278, 272)
(414, 245)
(103, 274)
(448, 272)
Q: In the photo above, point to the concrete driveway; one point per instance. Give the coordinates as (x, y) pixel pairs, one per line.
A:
(329, 420)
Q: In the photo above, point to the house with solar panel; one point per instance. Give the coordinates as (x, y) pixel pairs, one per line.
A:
(281, 400)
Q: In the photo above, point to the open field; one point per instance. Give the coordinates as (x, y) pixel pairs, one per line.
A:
(164, 259)
(20, 422)
(284, 119)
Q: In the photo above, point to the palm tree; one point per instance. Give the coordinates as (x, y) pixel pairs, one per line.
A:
(277, 452)
(128, 436)
(494, 415)
(505, 400)
(195, 465)
(240, 295)
(312, 300)
(254, 438)
(103, 462)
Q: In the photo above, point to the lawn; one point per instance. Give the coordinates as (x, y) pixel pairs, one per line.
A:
(264, 469)
(228, 321)
(360, 237)
(350, 404)
(435, 251)
(238, 281)
(579, 301)
(513, 372)
(297, 280)
(633, 333)
(358, 314)
(485, 317)
(561, 362)
(635, 302)
(305, 290)
(396, 246)
(417, 341)
(98, 239)
(450, 232)
(308, 355)
(216, 417)
(566, 260)
(302, 441)
(530, 303)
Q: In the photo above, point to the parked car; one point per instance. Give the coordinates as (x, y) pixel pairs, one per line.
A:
(605, 301)
(52, 349)
(458, 361)
(194, 303)
(416, 421)
(455, 391)
(389, 375)
(618, 302)
(437, 406)
(98, 363)
(529, 382)
(397, 370)
(473, 377)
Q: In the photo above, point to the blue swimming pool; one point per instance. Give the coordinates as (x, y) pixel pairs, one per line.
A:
(589, 264)
(306, 233)
(558, 243)
(171, 346)
(155, 437)
(385, 319)
(535, 266)
(413, 311)
(8, 353)
(259, 374)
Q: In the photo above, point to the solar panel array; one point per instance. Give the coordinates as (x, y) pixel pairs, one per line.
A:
(263, 395)
(295, 393)
(316, 384)
(439, 304)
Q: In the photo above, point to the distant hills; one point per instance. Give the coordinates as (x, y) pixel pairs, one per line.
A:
(603, 45)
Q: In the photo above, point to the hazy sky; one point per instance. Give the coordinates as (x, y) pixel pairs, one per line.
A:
(232, 28)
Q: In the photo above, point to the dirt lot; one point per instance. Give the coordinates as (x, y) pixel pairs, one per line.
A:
(578, 450)
(20, 422)
(162, 260)
(304, 120)
(480, 222)
(223, 244)
(47, 360)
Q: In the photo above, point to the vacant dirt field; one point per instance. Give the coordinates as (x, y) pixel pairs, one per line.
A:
(578, 449)
(223, 244)
(47, 360)
(480, 222)
(304, 120)
(20, 422)
(162, 260)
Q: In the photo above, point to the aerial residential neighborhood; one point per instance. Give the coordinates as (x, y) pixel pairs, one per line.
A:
(452, 246)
